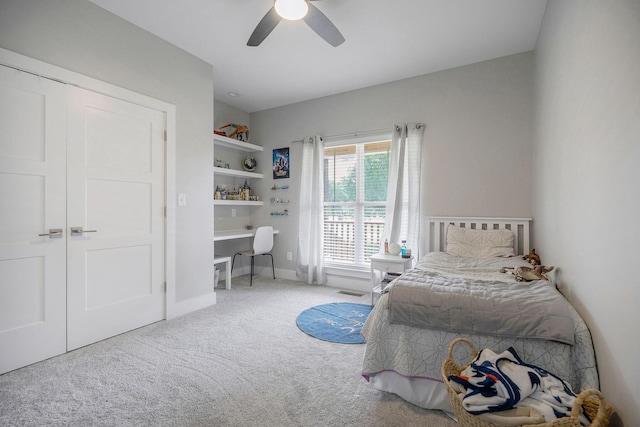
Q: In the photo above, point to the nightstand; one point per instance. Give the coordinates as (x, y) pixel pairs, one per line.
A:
(386, 264)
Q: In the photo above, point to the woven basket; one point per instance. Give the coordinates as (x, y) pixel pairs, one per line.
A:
(591, 401)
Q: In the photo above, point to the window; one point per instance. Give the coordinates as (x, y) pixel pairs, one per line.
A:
(355, 196)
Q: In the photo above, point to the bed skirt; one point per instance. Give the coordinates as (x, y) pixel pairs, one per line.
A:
(422, 392)
(407, 361)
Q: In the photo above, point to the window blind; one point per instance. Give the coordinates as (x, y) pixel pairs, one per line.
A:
(355, 194)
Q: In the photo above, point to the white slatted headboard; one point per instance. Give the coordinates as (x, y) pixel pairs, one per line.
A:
(437, 230)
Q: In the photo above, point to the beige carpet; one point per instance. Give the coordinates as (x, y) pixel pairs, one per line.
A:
(242, 362)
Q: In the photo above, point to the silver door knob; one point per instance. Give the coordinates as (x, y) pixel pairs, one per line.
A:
(77, 231)
(54, 233)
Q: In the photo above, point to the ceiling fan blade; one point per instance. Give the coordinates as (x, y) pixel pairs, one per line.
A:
(264, 27)
(319, 23)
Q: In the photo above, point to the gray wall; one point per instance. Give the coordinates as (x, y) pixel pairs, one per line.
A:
(478, 138)
(81, 37)
(225, 113)
(587, 177)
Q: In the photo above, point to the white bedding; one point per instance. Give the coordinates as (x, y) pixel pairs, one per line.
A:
(406, 360)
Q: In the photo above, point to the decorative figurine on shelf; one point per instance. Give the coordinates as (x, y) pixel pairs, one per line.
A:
(279, 187)
(217, 195)
(249, 164)
(246, 191)
(236, 131)
(222, 164)
(235, 194)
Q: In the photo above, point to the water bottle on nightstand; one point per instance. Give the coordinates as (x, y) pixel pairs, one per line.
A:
(403, 249)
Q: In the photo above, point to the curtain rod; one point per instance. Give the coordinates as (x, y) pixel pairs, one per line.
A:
(361, 133)
(356, 134)
(351, 134)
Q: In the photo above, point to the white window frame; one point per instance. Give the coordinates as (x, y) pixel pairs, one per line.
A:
(359, 140)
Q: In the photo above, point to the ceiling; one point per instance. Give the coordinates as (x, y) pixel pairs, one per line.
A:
(385, 41)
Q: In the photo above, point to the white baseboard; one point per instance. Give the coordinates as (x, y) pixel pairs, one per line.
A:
(339, 281)
(348, 282)
(286, 274)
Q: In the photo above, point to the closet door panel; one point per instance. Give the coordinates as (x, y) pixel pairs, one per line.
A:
(116, 194)
(32, 204)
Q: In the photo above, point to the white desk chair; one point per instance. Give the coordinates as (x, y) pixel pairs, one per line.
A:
(262, 245)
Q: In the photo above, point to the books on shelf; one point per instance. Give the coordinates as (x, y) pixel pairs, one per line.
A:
(389, 277)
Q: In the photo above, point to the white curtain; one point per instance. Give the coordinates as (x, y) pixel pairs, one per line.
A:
(404, 194)
(310, 259)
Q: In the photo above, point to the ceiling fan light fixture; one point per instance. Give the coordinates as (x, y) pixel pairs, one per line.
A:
(291, 10)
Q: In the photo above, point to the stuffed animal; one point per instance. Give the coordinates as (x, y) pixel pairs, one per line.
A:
(532, 258)
(528, 274)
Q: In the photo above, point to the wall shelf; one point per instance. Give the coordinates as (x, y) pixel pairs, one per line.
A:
(223, 141)
(233, 144)
(238, 203)
(278, 201)
(235, 172)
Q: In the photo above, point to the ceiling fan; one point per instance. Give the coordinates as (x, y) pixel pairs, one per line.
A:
(294, 10)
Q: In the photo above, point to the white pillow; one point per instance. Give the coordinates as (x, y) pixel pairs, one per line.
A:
(471, 243)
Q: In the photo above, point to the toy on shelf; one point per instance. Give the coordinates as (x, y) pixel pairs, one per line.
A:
(279, 187)
(279, 201)
(235, 131)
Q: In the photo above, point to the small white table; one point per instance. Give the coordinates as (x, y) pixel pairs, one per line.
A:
(219, 259)
(386, 264)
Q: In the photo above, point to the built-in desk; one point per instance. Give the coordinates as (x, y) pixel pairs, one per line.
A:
(231, 235)
(236, 234)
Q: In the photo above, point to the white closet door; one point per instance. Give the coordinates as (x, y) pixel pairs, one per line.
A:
(115, 192)
(32, 202)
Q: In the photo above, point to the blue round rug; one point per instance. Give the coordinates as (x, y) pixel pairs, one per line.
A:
(339, 322)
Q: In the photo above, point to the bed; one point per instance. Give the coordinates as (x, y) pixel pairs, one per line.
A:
(456, 290)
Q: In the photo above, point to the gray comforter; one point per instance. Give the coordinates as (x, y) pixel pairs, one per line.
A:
(406, 360)
(439, 295)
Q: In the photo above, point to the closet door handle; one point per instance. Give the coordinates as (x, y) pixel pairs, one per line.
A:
(77, 231)
(54, 233)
